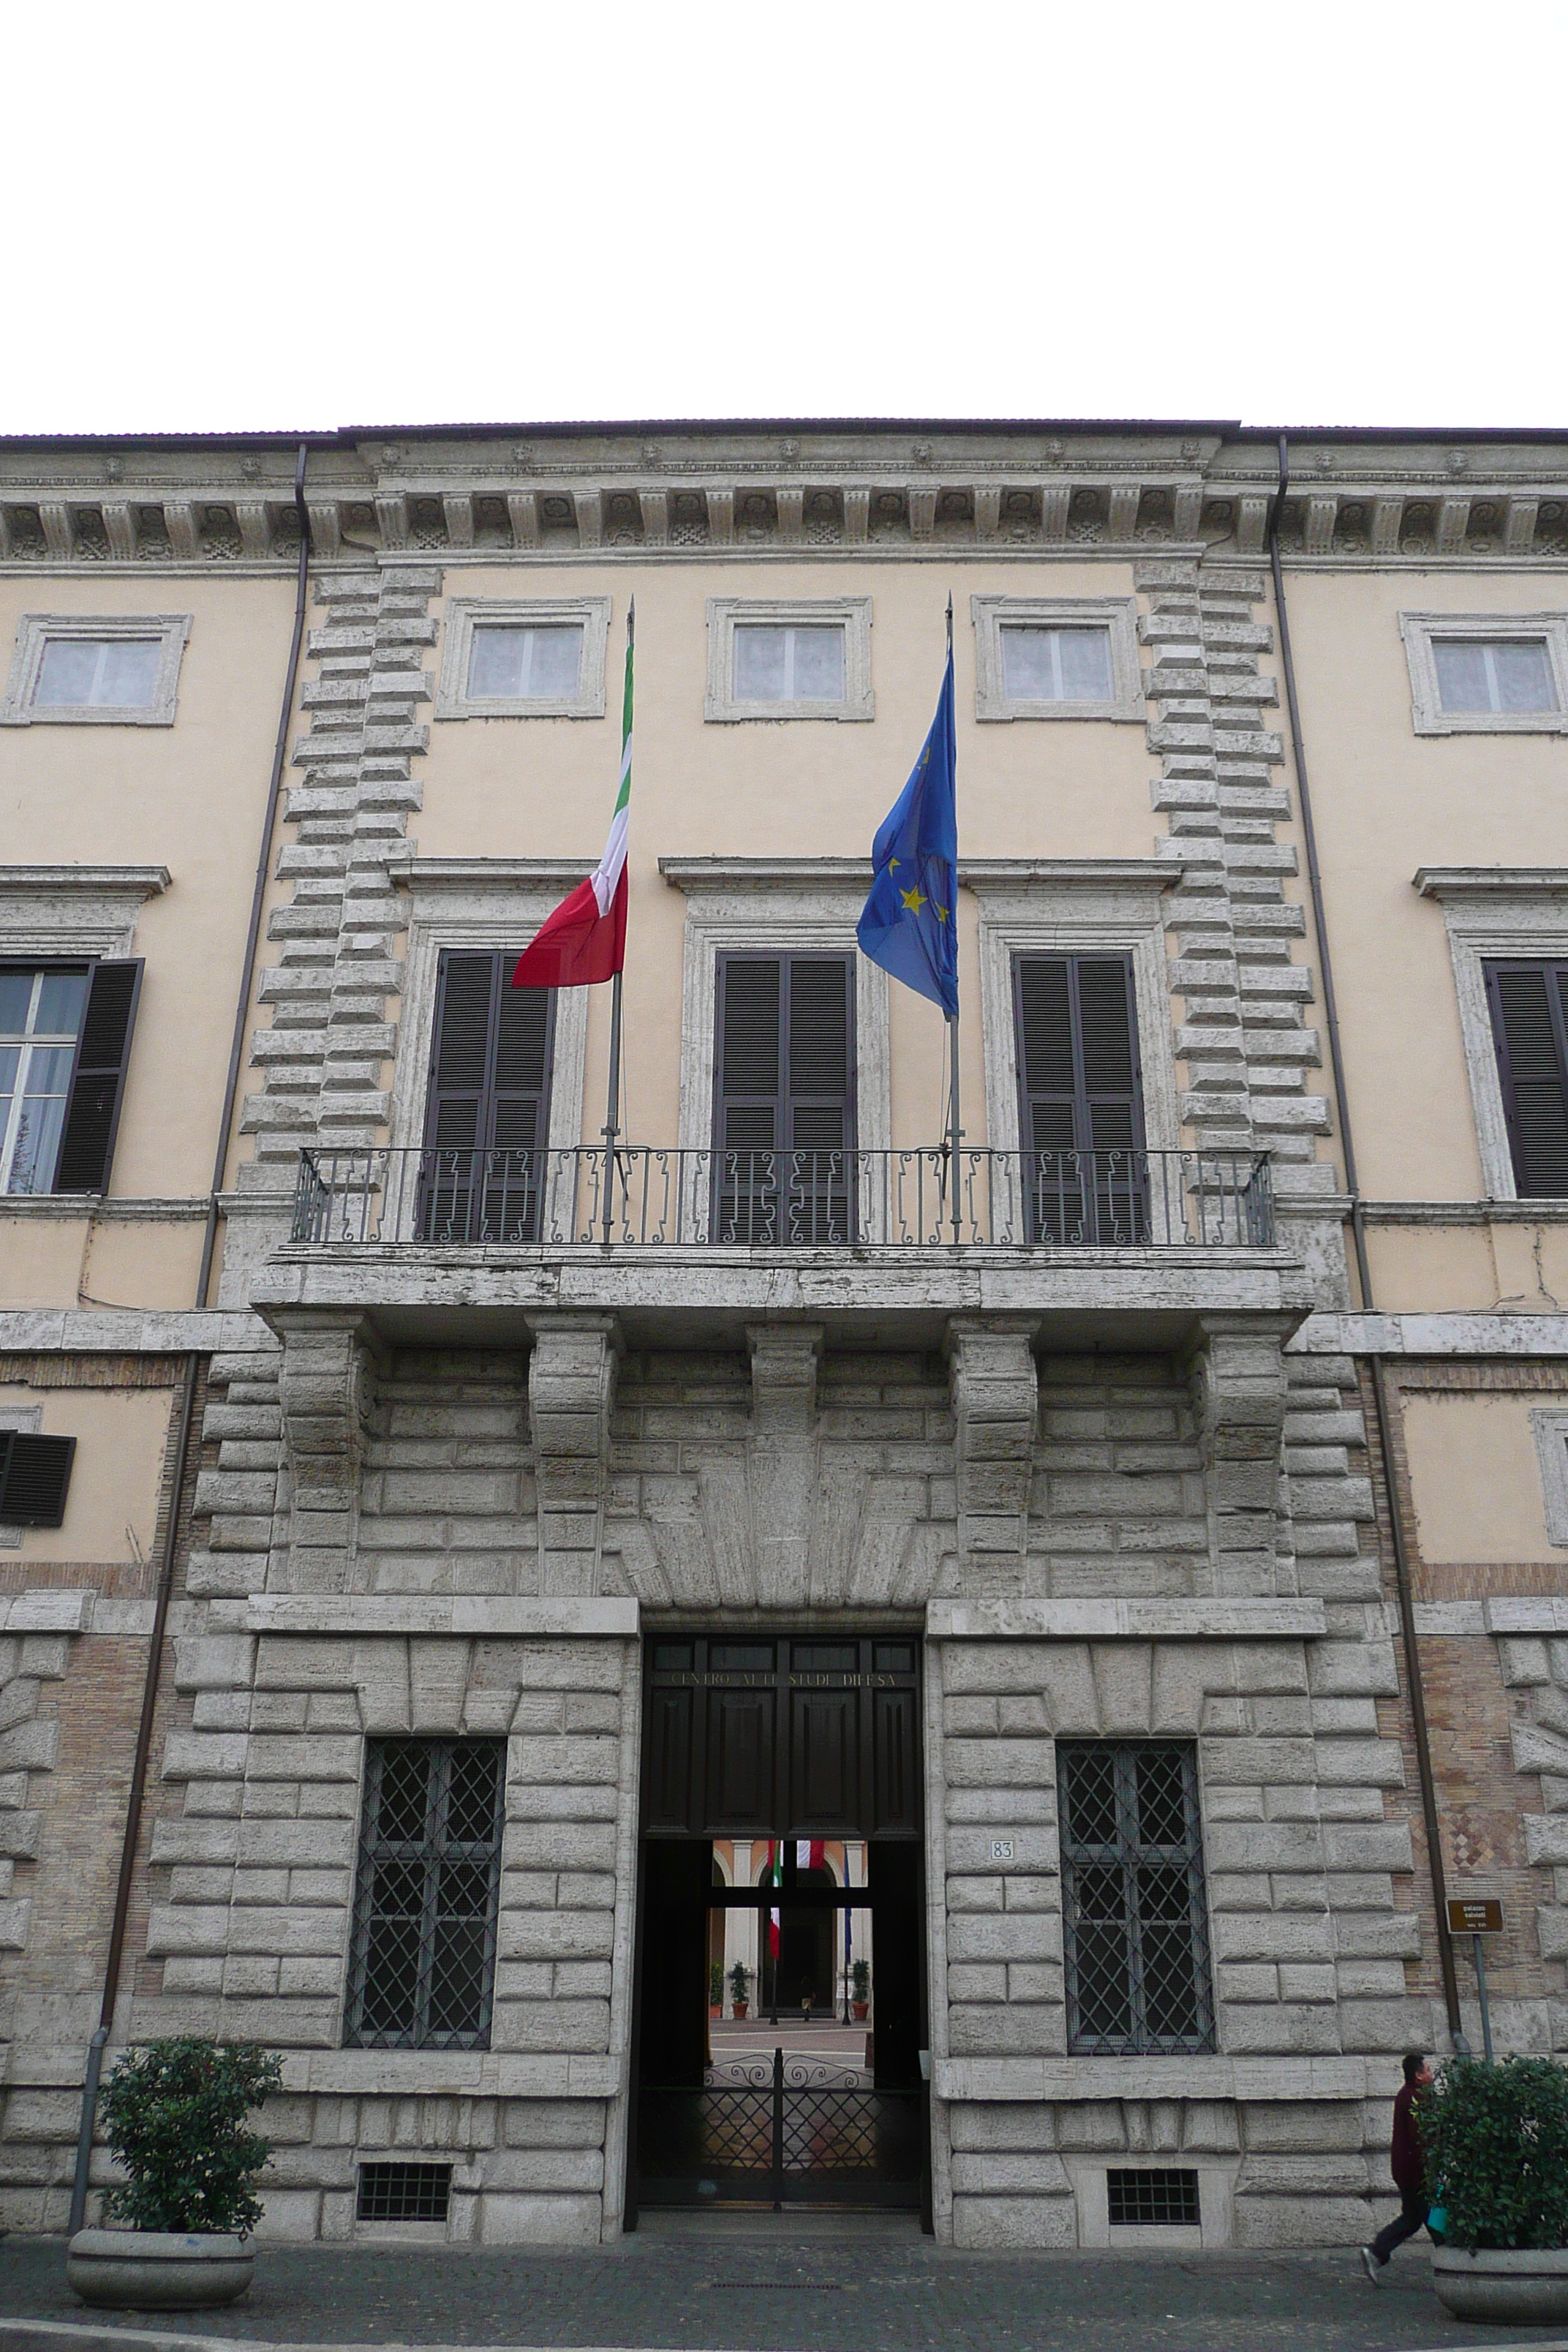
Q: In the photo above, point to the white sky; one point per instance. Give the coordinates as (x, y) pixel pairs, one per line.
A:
(313, 214)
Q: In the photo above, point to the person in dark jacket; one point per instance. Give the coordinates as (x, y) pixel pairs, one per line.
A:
(1405, 2163)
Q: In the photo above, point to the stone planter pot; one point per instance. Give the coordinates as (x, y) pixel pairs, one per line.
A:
(741, 2007)
(860, 2009)
(158, 2269)
(1503, 2289)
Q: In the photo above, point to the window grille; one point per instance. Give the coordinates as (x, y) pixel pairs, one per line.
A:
(422, 1968)
(1136, 1947)
(404, 2192)
(1153, 2199)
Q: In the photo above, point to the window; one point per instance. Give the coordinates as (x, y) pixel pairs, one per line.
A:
(1548, 1425)
(1487, 672)
(35, 1474)
(1527, 1002)
(1153, 2198)
(1055, 664)
(404, 2192)
(524, 658)
(1136, 1936)
(789, 665)
(487, 1121)
(65, 1041)
(779, 659)
(784, 1115)
(1081, 1108)
(1056, 657)
(1475, 676)
(123, 669)
(422, 1964)
(525, 665)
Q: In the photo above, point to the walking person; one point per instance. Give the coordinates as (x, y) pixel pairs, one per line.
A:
(1408, 2168)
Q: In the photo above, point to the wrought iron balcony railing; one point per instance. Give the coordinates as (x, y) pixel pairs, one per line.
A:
(645, 1196)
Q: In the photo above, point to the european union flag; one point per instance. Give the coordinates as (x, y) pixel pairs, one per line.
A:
(908, 925)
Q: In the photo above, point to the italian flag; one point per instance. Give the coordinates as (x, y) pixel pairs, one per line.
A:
(585, 939)
(775, 1878)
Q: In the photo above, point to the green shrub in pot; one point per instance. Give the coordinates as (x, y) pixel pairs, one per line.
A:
(174, 2115)
(1496, 2143)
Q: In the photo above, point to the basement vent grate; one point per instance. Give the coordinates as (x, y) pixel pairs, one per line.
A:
(1153, 2199)
(404, 2192)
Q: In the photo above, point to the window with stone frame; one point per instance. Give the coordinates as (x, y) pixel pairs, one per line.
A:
(789, 658)
(482, 1171)
(1487, 672)
(65, 1043)
(423, 1959)
(784, 1114)
(115, 669)
(1134, 1918)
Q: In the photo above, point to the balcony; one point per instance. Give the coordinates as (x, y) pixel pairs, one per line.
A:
(465, 1249)
(648, 1197)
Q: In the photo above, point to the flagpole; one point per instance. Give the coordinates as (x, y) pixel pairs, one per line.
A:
(954, 1131)
(613, 1102)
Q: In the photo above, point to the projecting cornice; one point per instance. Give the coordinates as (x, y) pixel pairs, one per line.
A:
(1484, 882)
(754, 492)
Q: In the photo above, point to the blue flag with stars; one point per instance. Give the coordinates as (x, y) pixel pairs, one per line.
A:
(907, 924)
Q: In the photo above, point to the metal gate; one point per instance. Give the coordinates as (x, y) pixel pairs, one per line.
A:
(800, 2131)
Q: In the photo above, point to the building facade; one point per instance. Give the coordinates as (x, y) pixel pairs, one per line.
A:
(438, 1556)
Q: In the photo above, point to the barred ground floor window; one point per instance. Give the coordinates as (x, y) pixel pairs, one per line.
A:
(1134, 1919)
(422, 1963)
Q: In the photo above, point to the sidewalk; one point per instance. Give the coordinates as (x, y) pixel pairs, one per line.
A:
(794, 2283)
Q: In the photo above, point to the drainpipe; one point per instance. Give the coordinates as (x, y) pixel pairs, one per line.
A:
(136, 1799)
(1363, 1279)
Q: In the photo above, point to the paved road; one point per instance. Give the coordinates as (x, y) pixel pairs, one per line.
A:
(717, 2283)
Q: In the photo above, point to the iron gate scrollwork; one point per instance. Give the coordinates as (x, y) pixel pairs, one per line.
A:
(797, 2130)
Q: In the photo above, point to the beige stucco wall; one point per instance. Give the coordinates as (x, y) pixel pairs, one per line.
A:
(189, 797)
(1475, 1478)
(1387, 801)
(120, 1437)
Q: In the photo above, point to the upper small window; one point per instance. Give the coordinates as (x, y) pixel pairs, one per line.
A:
(1475, 676)
(1056, 657)
(510, 658)
(1055, 664)
(789, 665)
(123, 670)
(1487, 673)
(777, 659)
(525, 665)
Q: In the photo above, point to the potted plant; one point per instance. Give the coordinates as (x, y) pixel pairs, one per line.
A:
(174, 2115)
(1496, 2143)
(716, 1989)
(740, 1987)
(861, 1988)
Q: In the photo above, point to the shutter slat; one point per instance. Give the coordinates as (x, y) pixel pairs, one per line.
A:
(1046, 1025)
(1104, 1026)
(463, 1045)
(1534, 1068)
(97, 1082)
(35, 1474)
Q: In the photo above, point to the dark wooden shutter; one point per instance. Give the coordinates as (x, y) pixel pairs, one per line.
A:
(1079, 1098)
(1528, 1021)
(98, 1080)
(35, 1473)
(487, 1123)
(785, 1116)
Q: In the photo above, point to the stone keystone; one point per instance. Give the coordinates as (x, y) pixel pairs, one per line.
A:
(781, 1458)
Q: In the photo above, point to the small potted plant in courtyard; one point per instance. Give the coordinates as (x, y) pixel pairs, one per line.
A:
(716, 1989)
(861, 1988)
(175, 2117)
(1496, 2143)
(740, 1987)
